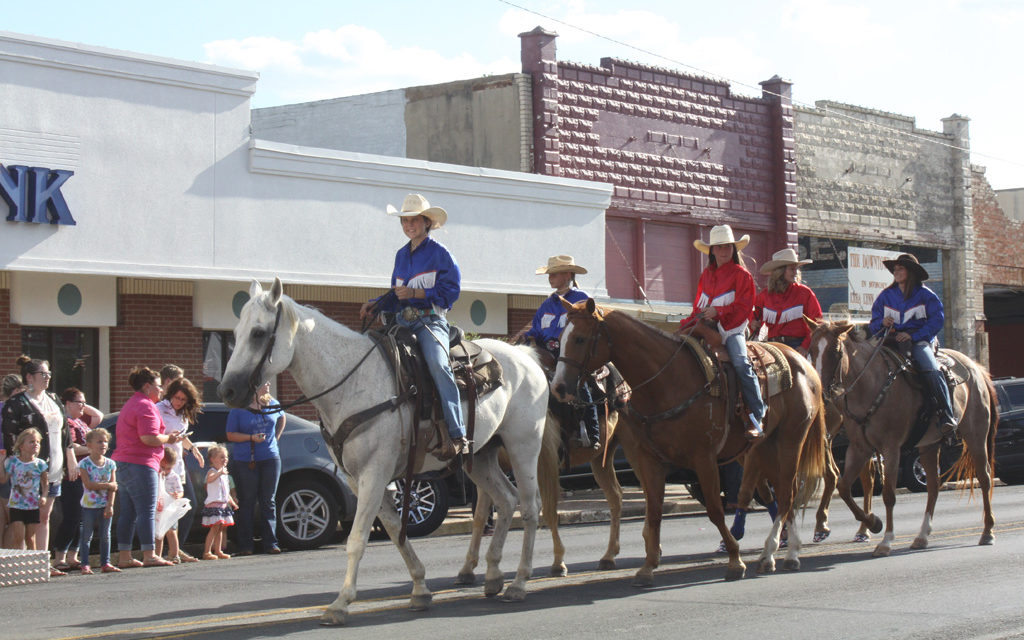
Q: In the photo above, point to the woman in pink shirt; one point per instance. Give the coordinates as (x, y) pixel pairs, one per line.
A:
(140, 447)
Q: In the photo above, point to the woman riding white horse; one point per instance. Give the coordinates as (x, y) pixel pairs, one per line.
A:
(426, 282)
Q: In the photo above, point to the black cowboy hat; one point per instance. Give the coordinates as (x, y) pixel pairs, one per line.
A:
(908, 262)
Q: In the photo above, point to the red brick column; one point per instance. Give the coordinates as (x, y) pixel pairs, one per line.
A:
(779, 93)
(539, 60)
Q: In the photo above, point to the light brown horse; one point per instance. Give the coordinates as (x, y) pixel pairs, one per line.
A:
(880, 404)
(682, 425)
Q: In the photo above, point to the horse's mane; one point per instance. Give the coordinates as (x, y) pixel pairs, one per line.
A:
(290, 308)
(860, 332)
(665, 334)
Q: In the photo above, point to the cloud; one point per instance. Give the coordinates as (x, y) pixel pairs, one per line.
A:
(834, 23)
(350, 60)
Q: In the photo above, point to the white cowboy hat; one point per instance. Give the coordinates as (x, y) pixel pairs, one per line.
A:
(561, 264)
(721, 234)
(783, 258)
(416, 205)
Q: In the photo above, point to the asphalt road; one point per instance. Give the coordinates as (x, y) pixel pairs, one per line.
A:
(953, 589)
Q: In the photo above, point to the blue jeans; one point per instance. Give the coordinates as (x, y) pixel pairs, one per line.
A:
(137, 487)
(256, 485)
(736, 345)
(432, 333)
(90, 518)
(924, 356)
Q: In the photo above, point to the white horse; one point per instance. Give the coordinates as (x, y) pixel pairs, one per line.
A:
(274, 334)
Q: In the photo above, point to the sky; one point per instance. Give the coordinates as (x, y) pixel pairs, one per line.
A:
(927, 59)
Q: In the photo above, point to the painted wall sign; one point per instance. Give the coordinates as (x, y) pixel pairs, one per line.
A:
(33, 194)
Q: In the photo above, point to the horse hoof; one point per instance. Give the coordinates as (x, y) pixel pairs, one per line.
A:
(559, 570)
(919, 543)
(643, 580)
(733, 574)
(881, 552)
(821, 536)
(876, 524)
(493, 587)
(514, 594)
(791, 565)
(421, 602)
(609, 565)
(332, 618)
(987, 539)
(766, 566)
(465, 579)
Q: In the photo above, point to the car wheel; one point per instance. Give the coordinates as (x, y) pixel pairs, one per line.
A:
(307, 514)
(428, 504)
(914, 477)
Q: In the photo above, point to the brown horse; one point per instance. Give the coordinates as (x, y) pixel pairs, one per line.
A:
(694, 433)
(881, 403)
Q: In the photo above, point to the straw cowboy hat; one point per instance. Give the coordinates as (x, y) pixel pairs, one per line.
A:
(910, 263)
(721, 234)
(561, 264)
(783, 258)
(416, 205)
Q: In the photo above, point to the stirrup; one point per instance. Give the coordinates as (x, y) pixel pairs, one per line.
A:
(452, 448)
(949, 433)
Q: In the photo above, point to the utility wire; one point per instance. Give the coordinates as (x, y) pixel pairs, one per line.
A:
(731, 82)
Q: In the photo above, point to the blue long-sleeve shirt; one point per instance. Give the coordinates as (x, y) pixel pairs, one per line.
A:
(550, 318)
(430, 267)
(921, 315)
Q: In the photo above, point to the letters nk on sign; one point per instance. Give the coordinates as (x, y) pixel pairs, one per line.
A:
(33, 194)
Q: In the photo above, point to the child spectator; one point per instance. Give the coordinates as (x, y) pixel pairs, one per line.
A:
(170, 490)
(217, 514)
(29, 482)
(10, 384)
(99, 487)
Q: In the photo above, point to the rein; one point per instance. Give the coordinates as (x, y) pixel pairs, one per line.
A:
(837, 374)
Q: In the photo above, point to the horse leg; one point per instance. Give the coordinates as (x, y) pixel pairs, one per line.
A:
(867, 483)
(891, 461)
(821, 530)
(551, 491)
(421, 597)
(482, 511)
(930, 461)
(707, 475)
(609, 483)
(855, 460)
(489, 479)
(372, 495)
(524, 466)
(652, 479)
(983, 471)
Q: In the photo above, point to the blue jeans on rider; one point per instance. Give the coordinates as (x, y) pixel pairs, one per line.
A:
(432, 333)
(736, 345)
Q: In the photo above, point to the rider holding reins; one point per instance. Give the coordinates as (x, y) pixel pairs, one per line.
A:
(783, 304)
(915, 314)
(426, 282)
(725, 295)
(546, 331)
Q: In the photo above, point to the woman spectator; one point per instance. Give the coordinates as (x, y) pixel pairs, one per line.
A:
(65, 553)
(179, 408)
(140, 447)
(37, 408)
(256, 467)
(10, 384)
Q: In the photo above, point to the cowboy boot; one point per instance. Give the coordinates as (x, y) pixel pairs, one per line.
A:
(754, 432)
(940, 393)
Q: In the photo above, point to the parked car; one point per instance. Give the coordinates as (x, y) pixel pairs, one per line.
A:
(312, 496)
(1010, 434)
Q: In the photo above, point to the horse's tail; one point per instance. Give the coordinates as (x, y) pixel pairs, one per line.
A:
(813, 459)
(964, 468)
(547, 471)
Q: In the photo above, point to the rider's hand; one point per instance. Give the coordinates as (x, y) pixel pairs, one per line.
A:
(709, 312)
(902, 336)
(367, 309)
(405, 293)
(888, 321)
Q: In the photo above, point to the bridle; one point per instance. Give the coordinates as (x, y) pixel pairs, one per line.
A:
(835, 388)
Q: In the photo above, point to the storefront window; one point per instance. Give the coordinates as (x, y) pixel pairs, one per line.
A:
(217, 348)
(71, 354)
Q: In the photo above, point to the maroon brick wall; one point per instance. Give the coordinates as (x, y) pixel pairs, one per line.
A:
(10, 336)
(152, 330)
(999, 240)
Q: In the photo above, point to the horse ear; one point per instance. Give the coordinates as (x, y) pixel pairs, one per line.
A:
(591, 305)
(276, 290)
(255, 289)
(846, 329)
(811, 323)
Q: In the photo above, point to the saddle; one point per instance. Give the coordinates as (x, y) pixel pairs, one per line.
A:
(953, 372)
(769, 364)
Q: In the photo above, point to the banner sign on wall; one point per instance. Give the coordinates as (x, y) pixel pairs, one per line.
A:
(868, 276)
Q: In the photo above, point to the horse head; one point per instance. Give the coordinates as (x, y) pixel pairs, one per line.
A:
(828, 352)
(585, 346)
(263, 344)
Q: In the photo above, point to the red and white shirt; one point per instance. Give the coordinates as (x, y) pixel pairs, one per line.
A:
(783, 313)
(730, 289)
